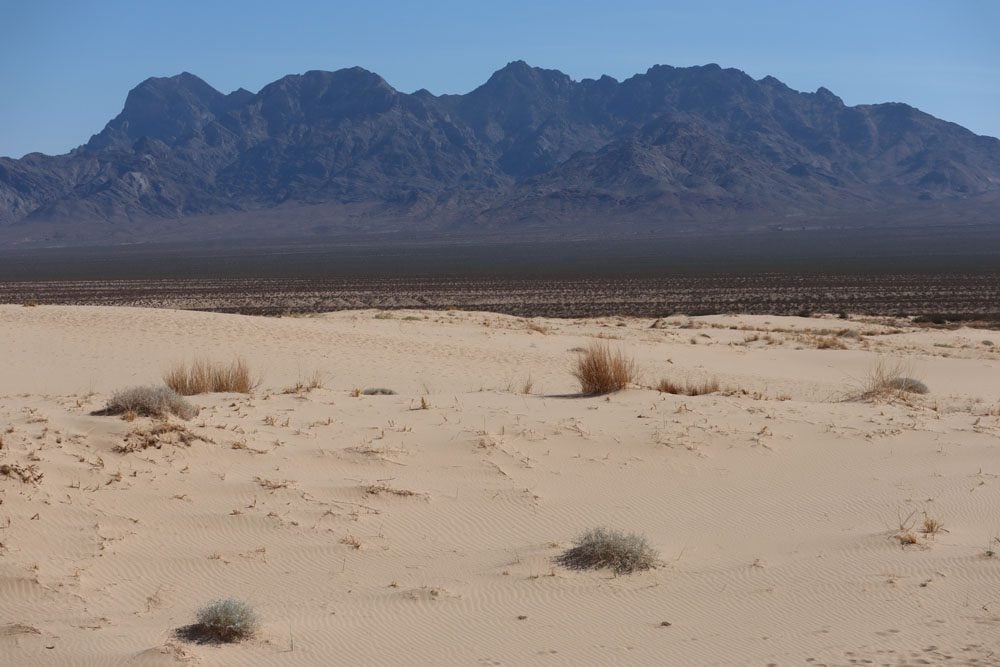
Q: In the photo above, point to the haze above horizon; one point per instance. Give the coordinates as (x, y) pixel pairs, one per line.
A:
(65, 69)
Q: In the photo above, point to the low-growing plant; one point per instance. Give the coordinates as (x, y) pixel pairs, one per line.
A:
(228, 620)
(601, 371)
(151, 401)
(605, 548)
(907, 385)
(204, 377)
(688, 388)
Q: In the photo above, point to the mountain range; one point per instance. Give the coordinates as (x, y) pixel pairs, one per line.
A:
(531, 153)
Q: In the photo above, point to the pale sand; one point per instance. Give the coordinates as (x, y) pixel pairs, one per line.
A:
(775, 512)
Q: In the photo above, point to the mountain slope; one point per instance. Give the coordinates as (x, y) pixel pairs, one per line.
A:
(531, 151)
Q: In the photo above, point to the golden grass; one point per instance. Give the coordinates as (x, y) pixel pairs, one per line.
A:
(204, 377)
(601, 371)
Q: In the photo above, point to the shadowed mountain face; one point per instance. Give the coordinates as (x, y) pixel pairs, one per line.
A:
(529, 154)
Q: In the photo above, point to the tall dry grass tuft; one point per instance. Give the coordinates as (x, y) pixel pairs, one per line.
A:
(601, 371)
(204, 377)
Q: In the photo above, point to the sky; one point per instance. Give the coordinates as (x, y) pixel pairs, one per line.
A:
(66, 66)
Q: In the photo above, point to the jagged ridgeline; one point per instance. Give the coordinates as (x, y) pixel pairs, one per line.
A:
(530, 153)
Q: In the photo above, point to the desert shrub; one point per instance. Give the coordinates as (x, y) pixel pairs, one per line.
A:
(887, 380)
(689, 388)
(601, 371)
(227, 620)
(605, 548)
(151, 401)
(378, 391)
(204, 377)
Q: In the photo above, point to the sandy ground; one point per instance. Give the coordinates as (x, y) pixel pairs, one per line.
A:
(775, 504)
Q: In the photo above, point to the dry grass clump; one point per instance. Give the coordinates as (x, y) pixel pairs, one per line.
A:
(601, 371)
(227, 620)
(931, 526)
(606, 548)
(888, 380)
(151, 401)
(829, 343)
(688, 388)
(537, 327)
(204, 377)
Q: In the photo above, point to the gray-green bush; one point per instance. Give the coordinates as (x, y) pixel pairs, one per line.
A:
(150, 401)
(613, 549)
(228, 620)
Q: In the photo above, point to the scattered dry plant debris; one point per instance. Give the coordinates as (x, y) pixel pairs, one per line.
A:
(378, 489)
(29, 474)
(157, 435)
(271, 484)
(351, 541)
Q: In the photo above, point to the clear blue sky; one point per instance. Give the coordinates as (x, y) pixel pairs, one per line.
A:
(66, 66)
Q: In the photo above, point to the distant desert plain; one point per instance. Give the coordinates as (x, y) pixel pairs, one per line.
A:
(798, 518)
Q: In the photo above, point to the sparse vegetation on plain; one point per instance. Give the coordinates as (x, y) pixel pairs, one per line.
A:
(612, 549)
(304, 385)
(149, 401)
(600, 370)
(205, 377)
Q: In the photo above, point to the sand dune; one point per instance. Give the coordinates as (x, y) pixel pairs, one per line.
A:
(367, 530)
